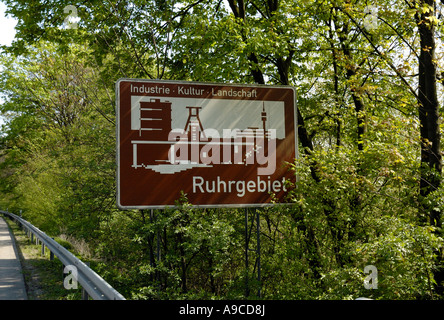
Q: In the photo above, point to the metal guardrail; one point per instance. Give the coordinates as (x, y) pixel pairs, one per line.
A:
(91, 282)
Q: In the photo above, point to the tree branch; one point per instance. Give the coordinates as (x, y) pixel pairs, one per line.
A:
(389, 63)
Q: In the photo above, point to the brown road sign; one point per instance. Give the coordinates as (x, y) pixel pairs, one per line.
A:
(221, 145)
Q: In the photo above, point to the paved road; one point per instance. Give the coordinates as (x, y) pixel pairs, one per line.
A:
(12, 285)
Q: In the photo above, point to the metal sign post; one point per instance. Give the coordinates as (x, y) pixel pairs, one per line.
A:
(258, 239)
(258, 251)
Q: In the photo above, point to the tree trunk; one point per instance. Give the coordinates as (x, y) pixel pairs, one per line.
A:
(431, 160)
(283, 65)
(351, 71)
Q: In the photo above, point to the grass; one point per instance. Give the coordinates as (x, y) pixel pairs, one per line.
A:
(44, 279)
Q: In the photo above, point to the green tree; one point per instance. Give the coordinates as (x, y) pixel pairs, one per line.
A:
(60, 138)
(369, 173)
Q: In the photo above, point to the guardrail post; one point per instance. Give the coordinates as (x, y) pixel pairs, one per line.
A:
(43, 249)
(51, 254)
(85, 295)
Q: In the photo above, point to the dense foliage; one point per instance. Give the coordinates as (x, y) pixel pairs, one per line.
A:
(369, 81)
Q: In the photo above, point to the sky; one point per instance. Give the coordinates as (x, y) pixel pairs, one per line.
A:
(7, 32)
(7, 26)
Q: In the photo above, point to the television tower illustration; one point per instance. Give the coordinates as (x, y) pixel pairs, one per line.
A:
(264, 118)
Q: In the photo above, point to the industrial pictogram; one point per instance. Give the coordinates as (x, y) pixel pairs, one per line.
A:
(194, 149)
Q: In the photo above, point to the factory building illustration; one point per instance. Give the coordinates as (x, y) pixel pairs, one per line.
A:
(168, 150)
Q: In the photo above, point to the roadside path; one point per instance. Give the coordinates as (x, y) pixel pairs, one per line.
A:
(12, 284)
